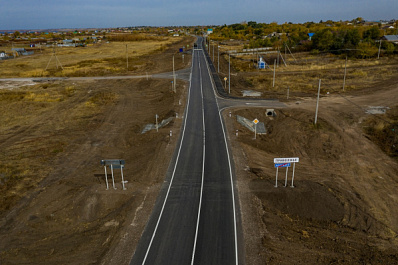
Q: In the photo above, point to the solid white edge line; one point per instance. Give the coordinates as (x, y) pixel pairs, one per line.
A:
(230, 168)
(175, 167)
(203, 169)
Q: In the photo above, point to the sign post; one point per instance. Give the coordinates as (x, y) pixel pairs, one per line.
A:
(287, 168)
(113, 163)
(286, 165)
(285, 162)
(255, 127)
(157, 126)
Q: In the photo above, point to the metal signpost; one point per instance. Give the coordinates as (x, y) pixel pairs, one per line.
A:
(255, 127)
(285, 162)
(113, 163)
(286, 165)
(157, 126)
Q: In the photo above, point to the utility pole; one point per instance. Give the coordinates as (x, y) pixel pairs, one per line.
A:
(273, 80)
(229, 74)
(218, 55)
(12, 49)
(345, 71)
(56, 60)
(174, 76)
(378, 55)
(209, 45)
(213, 53)
(317, 102)
(127, 58)
(278, 57)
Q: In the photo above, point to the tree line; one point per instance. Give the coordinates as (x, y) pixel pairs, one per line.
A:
(354, 38)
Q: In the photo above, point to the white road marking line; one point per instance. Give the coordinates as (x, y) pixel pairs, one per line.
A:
(230, 168)
(203, 168)
(172, 177)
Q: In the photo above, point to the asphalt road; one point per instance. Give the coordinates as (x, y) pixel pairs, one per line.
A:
(196, 217)
(194, 220)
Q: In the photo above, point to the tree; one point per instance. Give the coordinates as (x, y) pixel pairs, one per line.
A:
(388, 47)
(351, 38)
(373, 33)
(366, 50)
(16, 34)
(323, 40)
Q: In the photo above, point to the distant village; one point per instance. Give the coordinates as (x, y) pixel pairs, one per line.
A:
(22, 43)
(17, 43)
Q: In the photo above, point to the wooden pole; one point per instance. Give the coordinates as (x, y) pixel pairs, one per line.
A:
(317, 102)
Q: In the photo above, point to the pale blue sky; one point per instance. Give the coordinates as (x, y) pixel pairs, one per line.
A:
(44, 14)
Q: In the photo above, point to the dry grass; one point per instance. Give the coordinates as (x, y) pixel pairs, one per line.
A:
(28, 142)
(97, 59)
(303, 74)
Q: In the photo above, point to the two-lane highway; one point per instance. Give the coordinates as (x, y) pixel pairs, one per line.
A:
(194, 220)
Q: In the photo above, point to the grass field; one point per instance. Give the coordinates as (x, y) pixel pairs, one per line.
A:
(49, 114)
(302, 72)
(93, 60)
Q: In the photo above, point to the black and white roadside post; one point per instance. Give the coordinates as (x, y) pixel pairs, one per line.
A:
(285, 162)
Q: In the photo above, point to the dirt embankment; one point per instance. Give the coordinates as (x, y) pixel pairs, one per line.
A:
(342, 209)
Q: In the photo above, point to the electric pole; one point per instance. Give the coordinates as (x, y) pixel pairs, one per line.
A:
(127, 58)
(317, 102)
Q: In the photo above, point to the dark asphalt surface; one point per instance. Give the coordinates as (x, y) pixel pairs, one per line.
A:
(194, 220)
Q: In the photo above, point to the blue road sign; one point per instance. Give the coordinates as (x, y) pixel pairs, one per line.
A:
(282, 165)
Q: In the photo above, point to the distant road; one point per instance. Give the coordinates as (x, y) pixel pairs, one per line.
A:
(46, 79)
(180, 74)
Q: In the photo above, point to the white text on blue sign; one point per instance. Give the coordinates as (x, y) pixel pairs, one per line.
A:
(282, 165)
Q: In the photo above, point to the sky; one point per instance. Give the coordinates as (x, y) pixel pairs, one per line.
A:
(54, 14)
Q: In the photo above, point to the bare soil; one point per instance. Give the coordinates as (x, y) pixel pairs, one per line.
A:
(55, 208)
(342, 209)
